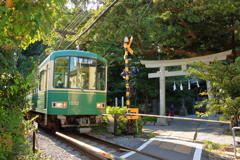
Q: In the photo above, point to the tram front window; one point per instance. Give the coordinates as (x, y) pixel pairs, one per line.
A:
(82, 73)
(61, 72)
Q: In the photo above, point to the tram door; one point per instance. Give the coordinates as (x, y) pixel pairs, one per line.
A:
(45, 88)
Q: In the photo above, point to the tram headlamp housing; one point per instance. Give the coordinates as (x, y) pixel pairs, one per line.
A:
(101, 105)
(59, 104)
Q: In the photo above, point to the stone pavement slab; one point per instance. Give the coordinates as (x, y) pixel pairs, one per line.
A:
(189, 130)
(169, 149)
(182, 139)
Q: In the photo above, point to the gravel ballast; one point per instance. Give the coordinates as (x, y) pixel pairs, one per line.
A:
(54, 149)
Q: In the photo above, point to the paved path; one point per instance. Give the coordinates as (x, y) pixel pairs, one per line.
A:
(192, 131)
(182, 139)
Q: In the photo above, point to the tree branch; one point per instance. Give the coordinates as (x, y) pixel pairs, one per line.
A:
(182, 22)
(184, 52)
(191, 36)
(232, 28)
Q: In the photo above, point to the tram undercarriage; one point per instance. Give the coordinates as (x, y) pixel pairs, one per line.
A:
(73, 123)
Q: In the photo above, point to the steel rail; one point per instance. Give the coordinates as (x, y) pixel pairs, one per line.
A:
(78, 148)
(81, 149)
(120, 147)
(91, 148)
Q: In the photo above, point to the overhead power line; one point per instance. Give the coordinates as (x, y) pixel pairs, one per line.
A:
(112, 4)
(145, 10)
(75, 20)
(71, 21)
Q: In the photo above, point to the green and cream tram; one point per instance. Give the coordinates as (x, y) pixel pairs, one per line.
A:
(72, 90)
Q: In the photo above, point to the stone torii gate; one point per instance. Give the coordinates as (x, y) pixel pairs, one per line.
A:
(162, 73)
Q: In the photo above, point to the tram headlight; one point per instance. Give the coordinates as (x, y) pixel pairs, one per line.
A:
(59, 104)
(101, 105)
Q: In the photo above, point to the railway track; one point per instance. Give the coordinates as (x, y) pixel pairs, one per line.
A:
(102, 148)
(79, 148)
(94, 147)
(117, 147)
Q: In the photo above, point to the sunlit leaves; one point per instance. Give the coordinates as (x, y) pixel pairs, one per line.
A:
(26, 21)
(225, 86)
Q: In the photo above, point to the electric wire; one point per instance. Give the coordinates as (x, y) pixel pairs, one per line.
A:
(86, 15)
(74, 24)
(67, 26)
(112, 4)
(83, 13)
(69, 23)
(82, 20)
(145, 10)
(73, 29)
(77, 21)
(74, 20)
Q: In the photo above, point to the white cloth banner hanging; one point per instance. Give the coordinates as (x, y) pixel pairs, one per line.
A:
(181, 86)
(189, 87)
(198, 84)
(174, 86)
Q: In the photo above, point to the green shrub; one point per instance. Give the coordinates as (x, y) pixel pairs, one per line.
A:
(122, 119)
(210, 145)
(147, 118)
(13, 104)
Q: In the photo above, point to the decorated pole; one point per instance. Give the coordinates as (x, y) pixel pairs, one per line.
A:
(127, 49)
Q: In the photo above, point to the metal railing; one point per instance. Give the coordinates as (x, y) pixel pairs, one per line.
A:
(234, 142)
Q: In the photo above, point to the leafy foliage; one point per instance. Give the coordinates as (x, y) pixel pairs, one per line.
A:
(179, 27)
(36, 17)
(13, 105)
(22, 23)
(224, 92)
(121, 117)
(151, 119)
(122, 120)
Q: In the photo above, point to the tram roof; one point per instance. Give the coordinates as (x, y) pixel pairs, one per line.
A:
(55, 54)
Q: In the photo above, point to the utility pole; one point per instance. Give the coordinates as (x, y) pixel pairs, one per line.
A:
(127, 49)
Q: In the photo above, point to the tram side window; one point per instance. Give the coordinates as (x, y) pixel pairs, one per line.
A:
(42, 80)
(61, 66)
(101, 75)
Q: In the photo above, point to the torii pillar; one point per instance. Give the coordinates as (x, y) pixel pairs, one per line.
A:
(162, 74)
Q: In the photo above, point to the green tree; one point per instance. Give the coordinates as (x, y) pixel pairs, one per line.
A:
(187, 28)
(225, 88)
(191, 28)
(35, 52)
(21, 24)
